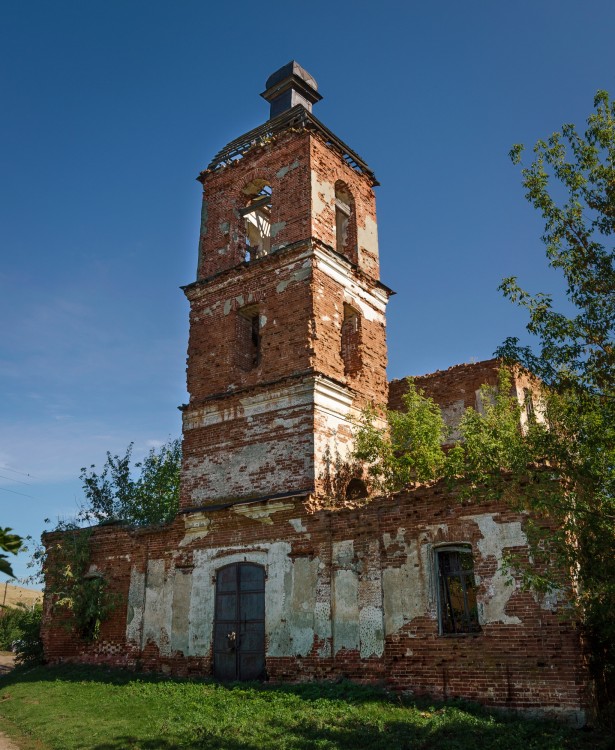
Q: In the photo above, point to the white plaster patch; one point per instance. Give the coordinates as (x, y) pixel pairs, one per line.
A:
(136, 601)
(345, 610)
(262, 512)
(302, 606)
(549, 600)
(367, 236)
(406, 589)
(370, 301)
(157, 616)
(285, 170)
(180, 619)
(343, 553)
(496, 537)
(371, 634)
(197, 526)
(299, 275)
(452, 414)
(323, 195)
(297, 525)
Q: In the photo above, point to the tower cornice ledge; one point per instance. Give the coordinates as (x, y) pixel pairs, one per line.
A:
(311, 244)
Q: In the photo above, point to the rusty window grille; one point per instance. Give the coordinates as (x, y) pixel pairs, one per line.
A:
(457, 610)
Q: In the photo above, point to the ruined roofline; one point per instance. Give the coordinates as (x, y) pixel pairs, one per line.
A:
(298, 118)
(493, 363)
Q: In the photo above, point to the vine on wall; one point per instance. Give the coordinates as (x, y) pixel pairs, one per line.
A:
(73, 586)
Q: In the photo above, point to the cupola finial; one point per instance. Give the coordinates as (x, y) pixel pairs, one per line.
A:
(289, 86)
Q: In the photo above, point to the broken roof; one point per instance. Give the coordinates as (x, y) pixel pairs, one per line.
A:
(296, 118)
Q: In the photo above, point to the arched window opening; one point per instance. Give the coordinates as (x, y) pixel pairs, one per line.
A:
(343, 218)
(257, 220)
(457, 607)
(356, 489)
(248, 338)
(351, 341)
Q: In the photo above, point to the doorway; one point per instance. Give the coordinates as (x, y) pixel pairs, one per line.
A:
(239, 623)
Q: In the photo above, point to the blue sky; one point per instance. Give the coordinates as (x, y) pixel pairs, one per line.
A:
(111, 108)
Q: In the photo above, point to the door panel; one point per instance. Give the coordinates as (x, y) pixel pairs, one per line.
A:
(239, 627)
(227, 608)
(252, 607)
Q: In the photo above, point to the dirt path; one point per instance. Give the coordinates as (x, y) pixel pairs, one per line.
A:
(7, 662)
(6, 743)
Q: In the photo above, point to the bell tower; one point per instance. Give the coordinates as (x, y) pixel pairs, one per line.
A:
(287, 314)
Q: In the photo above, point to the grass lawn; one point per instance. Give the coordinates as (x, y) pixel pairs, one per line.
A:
(79, 708)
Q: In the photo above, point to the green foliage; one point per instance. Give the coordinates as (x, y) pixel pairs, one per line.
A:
(492, 444)
(28, 647)
(407, 448)
(8, 543)
(151, 498)
(20, 632)
(561, 466)
(72, 586)
(62, 707)
(576, 357)
(578, 349)
(10, 618)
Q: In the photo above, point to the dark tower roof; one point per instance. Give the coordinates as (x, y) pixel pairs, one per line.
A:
(291, 91)
(289, 86)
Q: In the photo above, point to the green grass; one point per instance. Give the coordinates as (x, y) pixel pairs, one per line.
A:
(79, 708)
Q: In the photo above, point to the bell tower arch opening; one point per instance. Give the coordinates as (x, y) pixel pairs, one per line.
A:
(257, 220)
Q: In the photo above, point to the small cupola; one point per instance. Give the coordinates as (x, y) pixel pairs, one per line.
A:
(289, 86)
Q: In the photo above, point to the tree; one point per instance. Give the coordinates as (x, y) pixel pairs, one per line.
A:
(405, 448)
(152, 497)
(561, 466)
(8, 543)
(571, 182)
(576, 350)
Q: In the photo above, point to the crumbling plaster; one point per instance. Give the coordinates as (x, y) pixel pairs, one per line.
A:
(354, 608)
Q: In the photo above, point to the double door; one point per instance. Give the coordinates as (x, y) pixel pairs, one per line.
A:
(239, 624)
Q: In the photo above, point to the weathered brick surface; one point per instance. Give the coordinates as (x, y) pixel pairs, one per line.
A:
(254, 431)
(526, 656)
(284, 164)
(457, 384)
(348, 593)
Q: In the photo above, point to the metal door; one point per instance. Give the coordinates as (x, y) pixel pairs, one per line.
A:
(239, 625)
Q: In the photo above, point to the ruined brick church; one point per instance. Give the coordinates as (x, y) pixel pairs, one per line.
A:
(287, 344)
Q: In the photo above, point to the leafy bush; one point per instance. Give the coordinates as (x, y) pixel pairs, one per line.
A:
(20, 631)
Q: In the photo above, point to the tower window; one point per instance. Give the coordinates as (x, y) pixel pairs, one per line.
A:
(529, 405)
(248, 338)
(351, 340)
(344, 220)
(457, 608)
(257, 220)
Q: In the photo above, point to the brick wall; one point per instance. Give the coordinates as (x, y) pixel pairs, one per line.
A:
(265, 334)
(349, 593)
